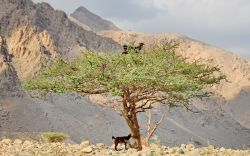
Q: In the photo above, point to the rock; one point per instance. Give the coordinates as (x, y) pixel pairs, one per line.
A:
(6, 141)
(147, 153)
(181, 151)
(190, 146)
(131, 150)
(17, 142)
(27, 143)
(183, 146)
(222, 149)
(87, 150)
(85, 143)
(100, 145)
(109, 152)
(194, 153)
(172, 151)
(211, 147)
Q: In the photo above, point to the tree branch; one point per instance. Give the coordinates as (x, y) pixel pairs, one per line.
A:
(150, 133)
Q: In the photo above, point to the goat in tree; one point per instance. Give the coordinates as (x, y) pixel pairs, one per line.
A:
(125, 48)
(136, 49)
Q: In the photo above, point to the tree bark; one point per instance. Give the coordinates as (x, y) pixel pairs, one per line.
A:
(135, 132)
(129, 113)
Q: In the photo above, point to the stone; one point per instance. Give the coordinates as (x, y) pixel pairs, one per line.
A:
(210, 147)
(18, 142)
(131, 150)
(194, 153)
(27, 143)
(6, 141)
(109, 152)
(190, 146)
(100, 145)
(172, 150)
(183, 146)
(222, 149)
(181, 151)
(84, 143)
(147, 153)
(87, 150)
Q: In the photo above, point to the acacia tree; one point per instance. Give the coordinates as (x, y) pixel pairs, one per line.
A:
(140, 79)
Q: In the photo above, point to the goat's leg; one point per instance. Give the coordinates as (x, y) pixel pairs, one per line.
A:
(116, 146)
(125, 145)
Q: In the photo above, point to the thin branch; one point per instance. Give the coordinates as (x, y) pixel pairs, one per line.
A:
(144, 109)
(149, 122)
(155, 127)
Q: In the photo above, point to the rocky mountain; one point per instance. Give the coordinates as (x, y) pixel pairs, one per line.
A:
(89, 20)
(36, 34)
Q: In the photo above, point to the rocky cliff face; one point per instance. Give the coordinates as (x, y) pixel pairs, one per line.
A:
(92, 21)
(36, 34)
(8, 75)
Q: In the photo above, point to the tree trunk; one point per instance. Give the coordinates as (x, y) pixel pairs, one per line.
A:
(129, 113)
(135, 129)
(131, 119)
(137, 139)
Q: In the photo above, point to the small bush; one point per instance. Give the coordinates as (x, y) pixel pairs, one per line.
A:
(53, 137)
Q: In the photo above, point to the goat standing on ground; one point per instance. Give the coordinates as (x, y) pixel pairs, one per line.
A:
(123, 139)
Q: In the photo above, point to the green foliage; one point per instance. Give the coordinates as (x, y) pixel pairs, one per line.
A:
(159, 69)
(53, 137)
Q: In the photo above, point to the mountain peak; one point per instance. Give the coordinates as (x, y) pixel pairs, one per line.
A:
(82, 8)
(93, 21)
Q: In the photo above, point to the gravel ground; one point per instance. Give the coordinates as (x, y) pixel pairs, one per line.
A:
(29, 148)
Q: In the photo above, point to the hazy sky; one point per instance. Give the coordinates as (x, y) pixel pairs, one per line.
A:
(223, 23)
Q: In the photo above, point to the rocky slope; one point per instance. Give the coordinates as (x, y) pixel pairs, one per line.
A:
(36, 34)
(81, 119)
(89, 20)
(8, 77)
(19, 147)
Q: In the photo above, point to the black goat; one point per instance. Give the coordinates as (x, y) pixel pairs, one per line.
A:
(123, 139)
(136, 49)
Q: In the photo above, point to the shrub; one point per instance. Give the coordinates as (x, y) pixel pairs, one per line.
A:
(53, 137)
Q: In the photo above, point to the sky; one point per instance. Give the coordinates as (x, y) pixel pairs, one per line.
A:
(221, 23)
